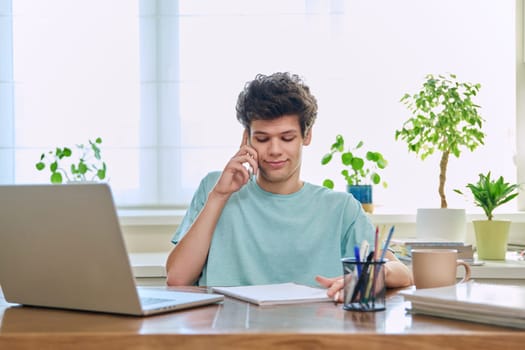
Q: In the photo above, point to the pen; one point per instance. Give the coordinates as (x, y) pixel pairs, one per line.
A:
(376, 268)
(387, 242)
(360, 286)
(357, 260)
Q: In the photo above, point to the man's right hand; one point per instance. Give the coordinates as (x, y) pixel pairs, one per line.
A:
(238, 170)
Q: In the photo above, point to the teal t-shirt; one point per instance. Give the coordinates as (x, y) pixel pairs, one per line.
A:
(263, 238)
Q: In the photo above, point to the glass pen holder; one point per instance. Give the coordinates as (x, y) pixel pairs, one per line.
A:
(364, 285)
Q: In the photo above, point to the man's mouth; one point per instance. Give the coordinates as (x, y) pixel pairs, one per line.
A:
(276, 164)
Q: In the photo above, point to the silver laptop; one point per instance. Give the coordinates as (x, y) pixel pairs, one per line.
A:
(61, 246)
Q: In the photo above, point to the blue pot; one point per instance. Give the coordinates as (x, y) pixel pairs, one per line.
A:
(363, 193)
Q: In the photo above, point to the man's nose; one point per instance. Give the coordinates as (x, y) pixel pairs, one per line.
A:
(275, 146)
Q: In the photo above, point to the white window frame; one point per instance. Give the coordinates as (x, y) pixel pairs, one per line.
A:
(6, 93)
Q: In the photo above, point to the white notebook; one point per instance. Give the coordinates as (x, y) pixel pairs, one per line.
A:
(494, 304)
(275, 294)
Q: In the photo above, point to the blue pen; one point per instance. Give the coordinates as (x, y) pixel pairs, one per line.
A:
(387, 242)
(357, 260)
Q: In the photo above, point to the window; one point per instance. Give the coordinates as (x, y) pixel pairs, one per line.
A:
(158, 81)
(75, 76)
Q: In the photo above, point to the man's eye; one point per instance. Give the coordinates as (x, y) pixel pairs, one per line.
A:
(261, 139)
(288, 139)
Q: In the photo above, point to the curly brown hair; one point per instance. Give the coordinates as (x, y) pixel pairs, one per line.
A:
(272, 96)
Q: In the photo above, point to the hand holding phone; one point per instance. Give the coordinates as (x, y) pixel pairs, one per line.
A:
(239, 168)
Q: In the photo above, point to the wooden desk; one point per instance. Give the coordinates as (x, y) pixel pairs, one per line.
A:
(238, 325)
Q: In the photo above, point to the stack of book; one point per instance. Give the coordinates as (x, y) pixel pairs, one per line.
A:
(403, 247)
(493, 304)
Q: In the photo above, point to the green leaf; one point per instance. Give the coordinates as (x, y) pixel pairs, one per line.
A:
(328, 184)
(375, 178)
(56, 178)
(346, 158)
(40, 166)
(96, 150)
(101, 174)
(339, 144)
(357, 163)
(382, 163)
(82, 168)
(372, 156)
(326, 159)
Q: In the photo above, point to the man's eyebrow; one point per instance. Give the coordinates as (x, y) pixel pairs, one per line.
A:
(287, 132)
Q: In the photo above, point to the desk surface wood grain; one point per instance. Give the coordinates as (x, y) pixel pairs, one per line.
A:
(234, 324)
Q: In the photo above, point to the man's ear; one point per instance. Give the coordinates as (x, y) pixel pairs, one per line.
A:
(307, 138)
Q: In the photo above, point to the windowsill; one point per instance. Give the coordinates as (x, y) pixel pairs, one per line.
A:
(151, 265)
(148, 265)
(411, 218)
(150, 217)
(173, 217)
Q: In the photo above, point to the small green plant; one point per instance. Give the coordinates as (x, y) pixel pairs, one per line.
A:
(445, 119)
(357, 169)
(490, 193)
(89, 165)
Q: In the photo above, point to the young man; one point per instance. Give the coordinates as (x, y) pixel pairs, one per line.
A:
(257, 222)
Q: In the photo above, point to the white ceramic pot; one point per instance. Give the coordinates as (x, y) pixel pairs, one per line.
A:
(441, 224)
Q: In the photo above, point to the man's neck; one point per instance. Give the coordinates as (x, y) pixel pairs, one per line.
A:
(286, 187)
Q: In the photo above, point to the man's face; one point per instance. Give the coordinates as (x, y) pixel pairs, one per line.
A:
(279, 146)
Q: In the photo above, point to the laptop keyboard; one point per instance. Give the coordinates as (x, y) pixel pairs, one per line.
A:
(150, 301)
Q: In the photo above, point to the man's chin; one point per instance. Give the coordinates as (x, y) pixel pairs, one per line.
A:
(275, 176)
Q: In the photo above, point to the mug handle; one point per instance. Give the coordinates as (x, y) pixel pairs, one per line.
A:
(467, 270)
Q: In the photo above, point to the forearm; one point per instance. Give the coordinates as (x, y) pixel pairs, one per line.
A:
(187, 259)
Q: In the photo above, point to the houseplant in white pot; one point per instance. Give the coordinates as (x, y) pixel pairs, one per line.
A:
(491, 235)
(80, 164)
(444, 119)
(360, 170)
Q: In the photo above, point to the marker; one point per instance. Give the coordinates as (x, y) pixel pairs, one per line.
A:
(363, 251)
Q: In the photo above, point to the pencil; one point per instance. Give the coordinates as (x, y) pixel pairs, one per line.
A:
(376, 243)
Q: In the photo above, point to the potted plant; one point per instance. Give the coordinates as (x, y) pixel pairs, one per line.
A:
(444, 119)
(491, 235)
(359, 171)
(87, 166)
